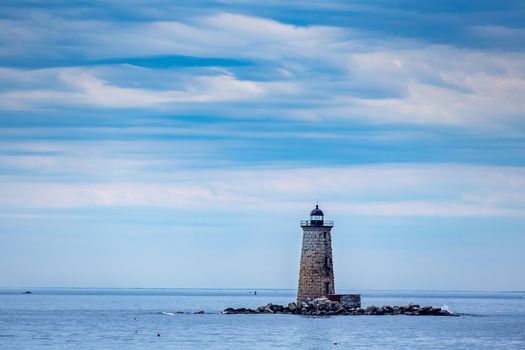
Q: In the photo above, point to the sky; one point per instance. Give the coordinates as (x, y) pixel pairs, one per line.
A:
(178, 144)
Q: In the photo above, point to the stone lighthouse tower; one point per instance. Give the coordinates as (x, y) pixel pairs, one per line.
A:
(316, 275)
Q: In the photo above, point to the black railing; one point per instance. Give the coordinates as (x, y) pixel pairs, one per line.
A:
(305, 223)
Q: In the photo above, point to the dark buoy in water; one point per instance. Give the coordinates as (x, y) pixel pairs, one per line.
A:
(158, 334)
(255, 293)
(27, 292)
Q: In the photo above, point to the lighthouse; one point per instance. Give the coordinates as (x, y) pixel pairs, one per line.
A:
(316, 274)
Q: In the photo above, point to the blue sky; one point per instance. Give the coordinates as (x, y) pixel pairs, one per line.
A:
(178, 144)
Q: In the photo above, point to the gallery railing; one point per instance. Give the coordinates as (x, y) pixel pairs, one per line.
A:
(305, 223)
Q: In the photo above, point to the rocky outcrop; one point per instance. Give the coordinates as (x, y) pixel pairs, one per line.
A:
(325, 307)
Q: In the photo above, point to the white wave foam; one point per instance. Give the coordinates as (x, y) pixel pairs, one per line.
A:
(167, 313)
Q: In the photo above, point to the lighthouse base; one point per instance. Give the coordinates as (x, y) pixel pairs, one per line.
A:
(346, 300)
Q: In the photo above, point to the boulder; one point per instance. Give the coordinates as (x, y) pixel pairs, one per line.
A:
(277, 308)
(412, 306)
(325, 307)
(371, 308)
(341, 311)
(268, 310)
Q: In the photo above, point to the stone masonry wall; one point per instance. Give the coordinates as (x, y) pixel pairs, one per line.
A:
(316, 274)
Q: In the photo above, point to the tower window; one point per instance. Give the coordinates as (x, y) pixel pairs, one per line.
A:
(324, 235)
(327, 288)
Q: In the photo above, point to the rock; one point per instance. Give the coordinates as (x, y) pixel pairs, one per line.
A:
(325, 307)
(425, 310)
(341, 311)
(198, 312)
(268, 309)
(371, 309)
(435, 311)
(277, 308)
(412, 306)
(387, 310)
(333, 306)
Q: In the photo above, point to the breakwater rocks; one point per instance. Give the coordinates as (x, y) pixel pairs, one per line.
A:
(325, 307)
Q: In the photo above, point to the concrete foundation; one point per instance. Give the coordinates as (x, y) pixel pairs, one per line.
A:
(347, 300)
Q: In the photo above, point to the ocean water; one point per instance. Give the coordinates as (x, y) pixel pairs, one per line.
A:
(147, 318)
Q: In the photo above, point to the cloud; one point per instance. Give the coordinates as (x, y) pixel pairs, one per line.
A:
(190, 127)
(300, 72)
(76, 86)
(386, 190)
(303, 72)
(219, 35)
(503, 35)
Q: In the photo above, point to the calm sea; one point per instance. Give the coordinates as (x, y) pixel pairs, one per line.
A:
(133, 318)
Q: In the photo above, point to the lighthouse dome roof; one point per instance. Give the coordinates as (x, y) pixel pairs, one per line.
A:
(316, 211)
